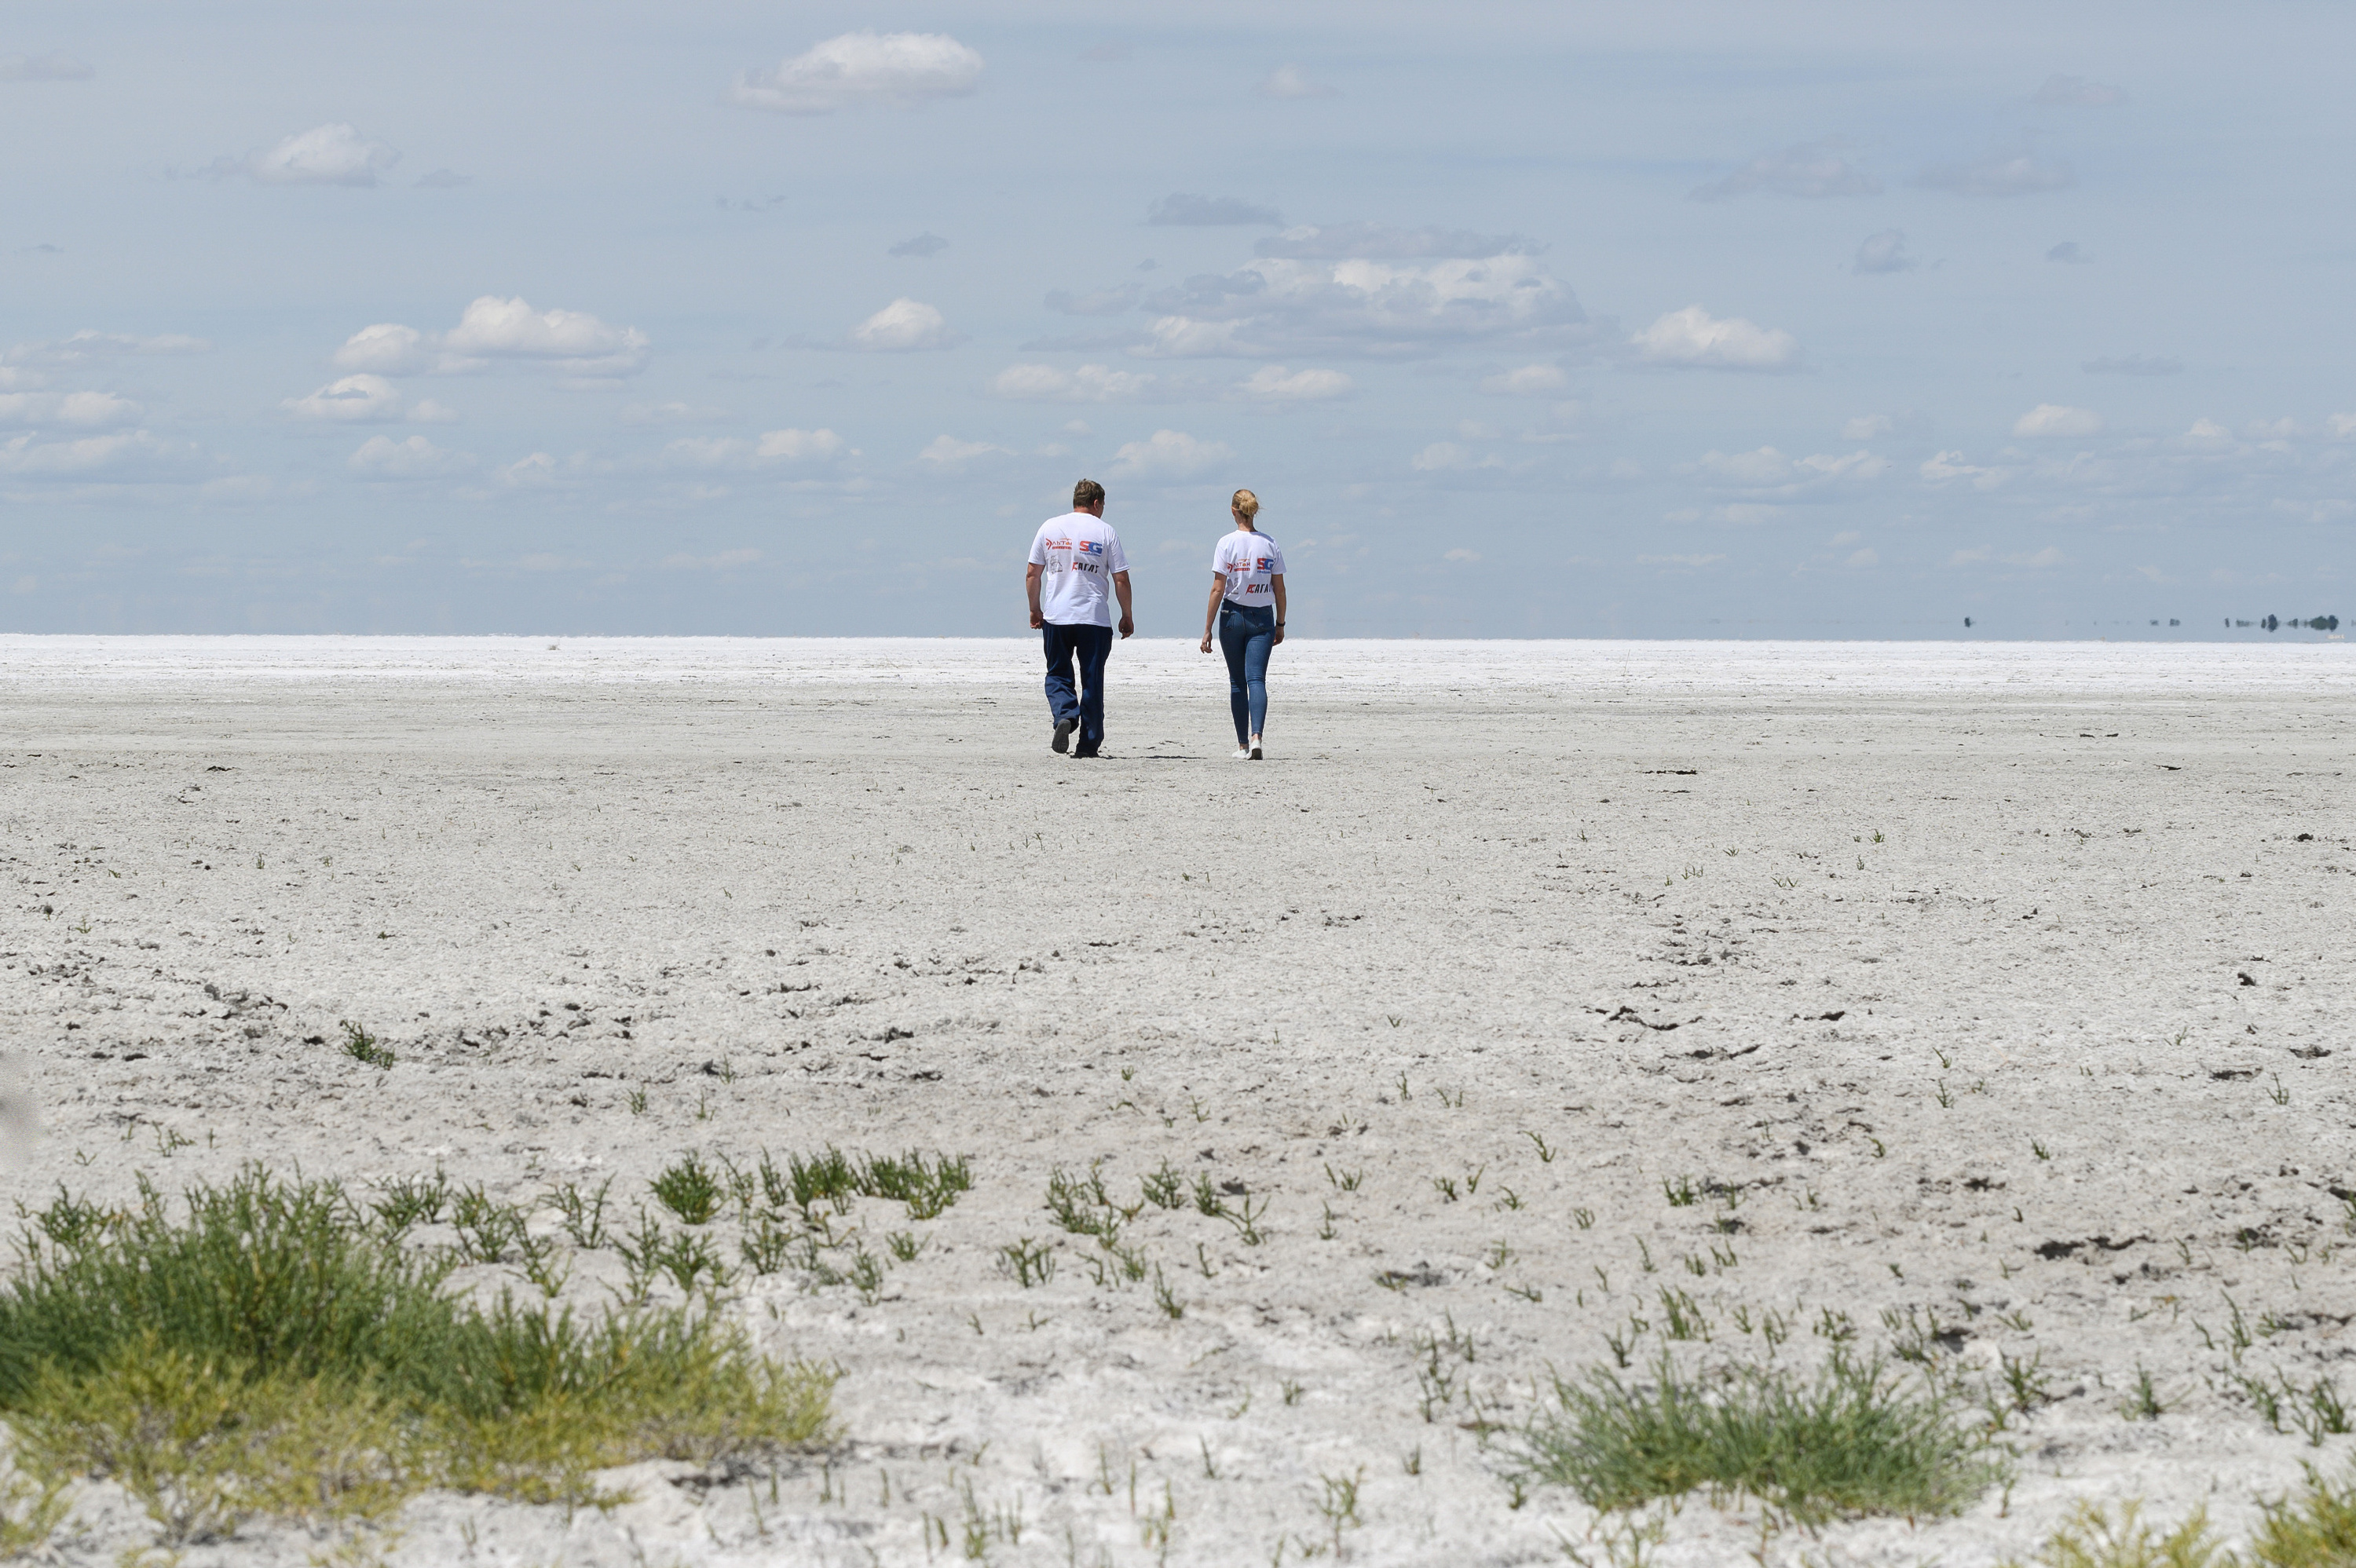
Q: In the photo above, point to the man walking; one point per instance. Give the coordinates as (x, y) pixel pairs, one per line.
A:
(1073, 559)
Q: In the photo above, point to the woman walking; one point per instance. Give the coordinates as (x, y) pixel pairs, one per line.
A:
(1246, 611)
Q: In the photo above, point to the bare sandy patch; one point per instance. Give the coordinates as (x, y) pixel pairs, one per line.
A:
(1529, 1012)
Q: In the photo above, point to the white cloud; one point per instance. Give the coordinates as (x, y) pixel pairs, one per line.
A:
(2049, 556)
(381, 457)
(1359, 307)
(1684, 561)
(1768, 473)
(1290, 81)
(2051, 420)
(1527, 381)
(1168, 455)
(1806, 169)
(491, 329)
(542, 471)
(1867, 427)
(947, 450)
(1883, 252)
(1275, 384)
(44, 68)
(1945, 466)
(1692, 338)
(333, 154)
(390, 349)
(2001, 173)
(1864, 558)
(366, 400)
(2343, 426)
(125, 454)
(2075, 92)
(903, 327)
(85, 344)
(1209, 211)
(87, 409)
(895, 69)
(1088, 384)
(2205, 436)
(1447, 456)
(921, 246)
(571, 341)
(776, 446)
(1467, 555)
(1184, 338)
(797, 447)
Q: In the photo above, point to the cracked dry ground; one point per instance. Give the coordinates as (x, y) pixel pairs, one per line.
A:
(1982, 1030)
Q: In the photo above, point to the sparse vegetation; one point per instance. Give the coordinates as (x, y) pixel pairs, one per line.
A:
(263, 1350)
(833, 1177)
(688, 1189)
(2313, 1528)
(1855, 1440)
(364, 1047)
(1030, 1262)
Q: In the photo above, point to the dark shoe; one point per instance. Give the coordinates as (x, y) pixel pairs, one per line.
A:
(1084, 750)
(1063, 728)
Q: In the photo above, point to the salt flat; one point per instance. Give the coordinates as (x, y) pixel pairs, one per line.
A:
(1994, 999)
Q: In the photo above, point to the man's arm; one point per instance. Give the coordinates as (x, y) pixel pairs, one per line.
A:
(1276, 580)
(1031, 575)
(1120, 591)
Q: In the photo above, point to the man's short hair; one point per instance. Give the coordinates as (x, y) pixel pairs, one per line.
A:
(1087, 493)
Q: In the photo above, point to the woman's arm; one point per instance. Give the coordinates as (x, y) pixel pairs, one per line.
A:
(1211, 611)
(1276, 580)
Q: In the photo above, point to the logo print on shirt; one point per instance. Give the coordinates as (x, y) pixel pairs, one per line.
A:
(1090, 547)
(1265, 561)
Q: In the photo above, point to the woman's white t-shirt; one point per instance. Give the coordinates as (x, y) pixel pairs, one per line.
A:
(1247, 560)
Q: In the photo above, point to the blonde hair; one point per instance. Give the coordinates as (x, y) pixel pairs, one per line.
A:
(1247, 503)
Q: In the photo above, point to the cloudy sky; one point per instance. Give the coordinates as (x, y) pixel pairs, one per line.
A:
(1823, 320)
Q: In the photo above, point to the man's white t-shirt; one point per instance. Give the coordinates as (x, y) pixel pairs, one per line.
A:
(1079, 553)
(1247, 560)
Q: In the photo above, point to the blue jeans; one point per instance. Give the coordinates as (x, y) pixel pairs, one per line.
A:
(1094, 646)
(1246, 636)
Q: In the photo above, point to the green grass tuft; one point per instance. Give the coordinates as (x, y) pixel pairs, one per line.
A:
(690, 1189)
(268, 1351)
(364, 1047)
(1854, 1441)
(926, 1187)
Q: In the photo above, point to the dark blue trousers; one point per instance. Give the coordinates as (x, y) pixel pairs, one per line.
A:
(1247, 636)
(1093, 646)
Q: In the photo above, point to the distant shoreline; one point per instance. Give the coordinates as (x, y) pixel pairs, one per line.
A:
(1306, 666)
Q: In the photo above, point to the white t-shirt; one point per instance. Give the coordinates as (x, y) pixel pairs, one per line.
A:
(1248, 561)
(1080, 554)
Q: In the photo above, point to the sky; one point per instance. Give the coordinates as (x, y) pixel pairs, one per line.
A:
(1523, 320)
